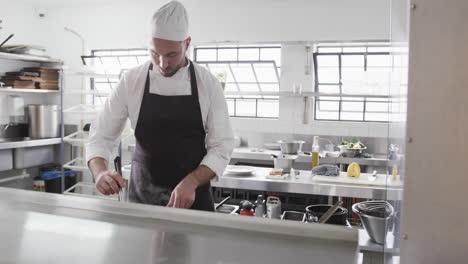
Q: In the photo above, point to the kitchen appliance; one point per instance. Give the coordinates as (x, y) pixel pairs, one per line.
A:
(247, 208)
(44, 121)
(315, 212)
(376, 217)
(260, 206)
(291, 147)
(285, 162)
(16, 109)
(273, 207)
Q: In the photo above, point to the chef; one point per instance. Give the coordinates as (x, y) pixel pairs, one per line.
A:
(180, 118)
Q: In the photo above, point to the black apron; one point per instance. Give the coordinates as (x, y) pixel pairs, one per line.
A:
(170, 143)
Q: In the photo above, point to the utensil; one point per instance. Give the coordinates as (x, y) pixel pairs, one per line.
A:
(291, 147)
(329, 212)
(376, 227)
(315, 211)
(123, 193)
(5, 41)
(43, 121)
(222, 202)
(373, 176)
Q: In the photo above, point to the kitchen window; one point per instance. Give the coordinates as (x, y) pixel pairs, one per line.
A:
(108, 65)
(249, 74)
(357, 78)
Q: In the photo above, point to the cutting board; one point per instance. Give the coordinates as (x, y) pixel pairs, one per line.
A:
(343, 178)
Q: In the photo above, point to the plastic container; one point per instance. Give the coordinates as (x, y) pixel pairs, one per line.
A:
(53, 183)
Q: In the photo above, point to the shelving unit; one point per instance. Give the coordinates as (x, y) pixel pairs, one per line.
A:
(18, 90)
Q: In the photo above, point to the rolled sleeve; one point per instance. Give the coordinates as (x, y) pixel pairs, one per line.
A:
(109, 124)
(219, 139)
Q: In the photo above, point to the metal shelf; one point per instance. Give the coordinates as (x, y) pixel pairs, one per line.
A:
(30, 143)
(24, 57)
(19, 90)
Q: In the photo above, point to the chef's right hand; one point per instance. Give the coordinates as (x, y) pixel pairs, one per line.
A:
(108, 182)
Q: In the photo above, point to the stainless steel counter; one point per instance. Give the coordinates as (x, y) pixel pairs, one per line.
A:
(25, 143)
(265, 155)
(50, 228)
(304, 184)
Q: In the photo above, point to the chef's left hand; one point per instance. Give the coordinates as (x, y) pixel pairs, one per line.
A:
(183, 195)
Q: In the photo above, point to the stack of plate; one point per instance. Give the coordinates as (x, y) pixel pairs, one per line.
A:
(233, 170)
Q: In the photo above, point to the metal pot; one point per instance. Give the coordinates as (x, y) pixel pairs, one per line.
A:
(44, 121)
(318, 210)
(291, 147)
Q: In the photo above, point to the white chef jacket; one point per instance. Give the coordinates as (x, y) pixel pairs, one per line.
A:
(125, 101)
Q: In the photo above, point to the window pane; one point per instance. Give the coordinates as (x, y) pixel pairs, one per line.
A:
(377, 107)
(128, 62)
(245, 107)
(248, 87)
(206, 54)
(329, 50)
(327, 61)
(328, 75)
(320, 115)
(380, 117)
(227, 54)
(328, 106)
(267, 87)
(267, 108)
(103, 87)
(352, 116)
(352, 61)
(378, 49)
(230, 87)
(249, 54)
(230, 104)
(142, 59)
(329, 88)
(352, 106)
(354, 49)
(243, 72)
(271, 54)
(379, 60)
(265, 72)
(352, 76)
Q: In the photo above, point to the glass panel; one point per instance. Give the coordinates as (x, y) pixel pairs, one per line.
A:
(243, 72)
(352, 61)
(268, 108)
(230, 104)
(328, 106)
(328, 75)
(352, 76)
(354, 116)
(245, 107)
(265, 72)
(248, 87)
(206, 54)
(329, 88)
(379, 117)
(271, 54)
(329, 50)
(267, 87)
(320, 115)
(354, 49)
(379, 60)
(377, 107)
(327, 61)
(352, 106)
(227, 54)
(249, 54)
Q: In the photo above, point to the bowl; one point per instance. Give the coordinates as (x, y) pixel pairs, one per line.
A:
(350, 152)
(376, 227)
(291, 147)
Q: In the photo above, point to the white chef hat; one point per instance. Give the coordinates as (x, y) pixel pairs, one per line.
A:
(170, 22)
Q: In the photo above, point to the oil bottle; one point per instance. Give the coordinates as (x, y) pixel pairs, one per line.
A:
(315, 152)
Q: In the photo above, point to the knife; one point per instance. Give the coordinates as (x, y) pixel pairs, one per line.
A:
(372, 177)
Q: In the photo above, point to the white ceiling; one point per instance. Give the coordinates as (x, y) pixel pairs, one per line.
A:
(70, 3)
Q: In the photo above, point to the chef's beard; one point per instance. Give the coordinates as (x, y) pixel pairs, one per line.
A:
(171, 73)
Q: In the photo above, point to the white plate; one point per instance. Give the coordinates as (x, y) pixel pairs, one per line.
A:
(239, 170)
(272, 146)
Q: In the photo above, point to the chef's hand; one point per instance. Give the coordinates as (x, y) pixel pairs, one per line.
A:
(183, 195)
(108, 182)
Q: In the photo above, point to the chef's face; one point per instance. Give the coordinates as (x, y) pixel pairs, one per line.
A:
(168, 55)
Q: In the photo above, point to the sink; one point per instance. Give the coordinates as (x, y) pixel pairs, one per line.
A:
(227, 209)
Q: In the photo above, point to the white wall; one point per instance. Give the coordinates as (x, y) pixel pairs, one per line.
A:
(123, 24)
(434, 213)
